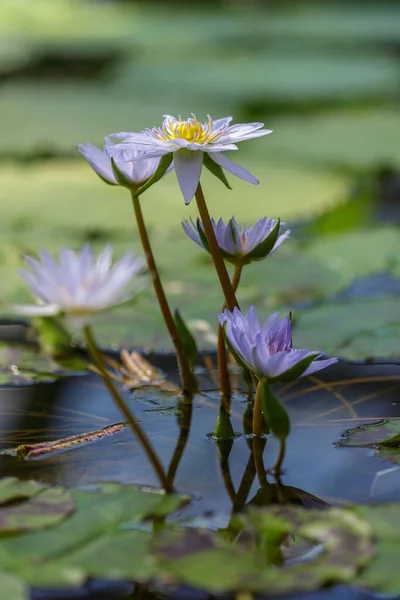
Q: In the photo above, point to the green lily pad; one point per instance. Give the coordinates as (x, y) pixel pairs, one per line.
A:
(383, 436)
(383, 574)
(12, 587)
(385, 433)
(213, 563)
(22, 364)
(96, 529)
(324, 135)
(336, 327)
(30, 506)
(359, 253)
(337, 23)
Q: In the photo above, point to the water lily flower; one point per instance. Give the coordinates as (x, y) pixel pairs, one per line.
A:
(241, 245)
(191, 143)
(79, 284)
(267, 349)
(133, 171)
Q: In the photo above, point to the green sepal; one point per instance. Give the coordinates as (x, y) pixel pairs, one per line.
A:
(163, 165)
(203, 237)
(265, 247)
(120, 177)
(215, 169)
(53, 337)
(223, 427)
(274, 412)
(296, 371)
(187, 339)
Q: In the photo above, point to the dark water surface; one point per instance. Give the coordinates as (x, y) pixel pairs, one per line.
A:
(315, 467)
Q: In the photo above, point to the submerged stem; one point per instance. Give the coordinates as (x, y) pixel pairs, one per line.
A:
(188, 380)
(215, 251)
(119, 401)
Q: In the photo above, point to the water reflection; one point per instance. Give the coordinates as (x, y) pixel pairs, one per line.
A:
(225, 476)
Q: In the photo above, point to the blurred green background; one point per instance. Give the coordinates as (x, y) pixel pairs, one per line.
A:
(324, 76)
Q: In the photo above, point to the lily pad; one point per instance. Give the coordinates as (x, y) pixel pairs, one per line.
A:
(24, 364)
(30, 506)
(386, 433)
(383, 436)
(383, 574)
(96, 529)
(341, 328)
(325, 134)
(213, 563)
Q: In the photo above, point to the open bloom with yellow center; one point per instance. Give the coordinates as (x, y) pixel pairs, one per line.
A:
(133, 171)
(240, 245)
(190, 140)
(79, 284)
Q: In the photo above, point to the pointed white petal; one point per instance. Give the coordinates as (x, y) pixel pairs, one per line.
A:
(229, 165)
(188, 169)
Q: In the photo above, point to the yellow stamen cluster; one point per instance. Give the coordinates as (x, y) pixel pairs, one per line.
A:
(190, 130)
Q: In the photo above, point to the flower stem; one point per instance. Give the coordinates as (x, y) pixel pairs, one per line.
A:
(215, 252)
(257, 414)
(119, 401)
(188, 381)
(225, 383)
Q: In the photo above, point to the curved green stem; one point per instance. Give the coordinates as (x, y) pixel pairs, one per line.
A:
(257, 414)
(189, 384)
(225, 383)
(119, 401)
(215, 251)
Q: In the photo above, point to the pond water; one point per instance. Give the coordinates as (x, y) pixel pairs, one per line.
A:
(217, 476)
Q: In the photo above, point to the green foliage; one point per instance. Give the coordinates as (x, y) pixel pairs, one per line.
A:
(275, 414)
(383, 436)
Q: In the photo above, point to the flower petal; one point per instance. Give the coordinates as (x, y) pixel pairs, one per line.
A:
(99, 161)
(191, 231)
(318, 365)
(188, 167)
(229, 165)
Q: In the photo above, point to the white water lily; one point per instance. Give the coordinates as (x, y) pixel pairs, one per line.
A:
(79, 284)
(189, 140)
(133, 170)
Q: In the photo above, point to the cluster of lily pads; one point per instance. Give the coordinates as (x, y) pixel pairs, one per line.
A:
(79, 284)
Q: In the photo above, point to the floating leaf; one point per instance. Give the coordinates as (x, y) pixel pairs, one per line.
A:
(30, 506)
(385, 433)
(339, 328)
(383, 574)
(203, 560)
(94, 541)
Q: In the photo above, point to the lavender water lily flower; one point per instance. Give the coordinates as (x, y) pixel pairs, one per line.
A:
(80, 284)
(191, 142)
(133, 171)
(267, 349)
(241, 245)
